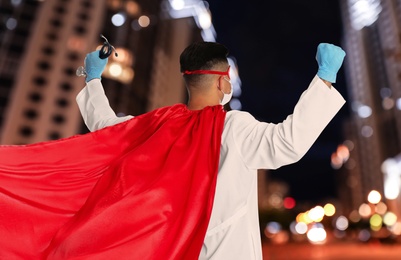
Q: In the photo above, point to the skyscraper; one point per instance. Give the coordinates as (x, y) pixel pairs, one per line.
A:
(372, 43)
(39, 85)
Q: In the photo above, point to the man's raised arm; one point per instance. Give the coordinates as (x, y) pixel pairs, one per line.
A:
(92, 101)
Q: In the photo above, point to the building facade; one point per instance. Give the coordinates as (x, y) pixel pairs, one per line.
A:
(39, 85)
(373, 71)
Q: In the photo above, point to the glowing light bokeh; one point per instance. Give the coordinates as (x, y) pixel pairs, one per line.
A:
(364, 12)
(289, 203)
(364, 210)
(396, 229)
(329, 209)
(235, 104)
(342, 223)
(364, 111)
(115, 69)
(366, 131)
(144, 21)
(177, 4)
(205, 20)
(364, 235)
(388, 103)
(301, 228)
(343, 152)
(376, 222)
(374, 197)
(317, 235)
(118, 19)
(354, 216)
(391, 168)
(381, 208)
(316, 214)
(11, 23)
(273, 227)
(389, 219)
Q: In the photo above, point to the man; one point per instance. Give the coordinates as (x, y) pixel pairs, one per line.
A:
(246, 144)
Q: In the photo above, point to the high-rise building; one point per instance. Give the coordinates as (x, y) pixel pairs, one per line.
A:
(16, 18)
(39, 85)
(372, 42)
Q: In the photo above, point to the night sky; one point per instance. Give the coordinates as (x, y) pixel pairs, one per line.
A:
(274, 43)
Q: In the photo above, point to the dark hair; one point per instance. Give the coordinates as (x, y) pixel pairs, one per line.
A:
(201, 56)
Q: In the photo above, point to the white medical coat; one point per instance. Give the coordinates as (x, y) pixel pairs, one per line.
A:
(247, 145)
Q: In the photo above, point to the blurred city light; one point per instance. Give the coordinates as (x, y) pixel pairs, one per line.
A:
(289, 203)
(11, 23)
(385, 92)
(396, 229)
(398, 103)
(374, 197)
(115, 69)
(273, 227)
(316, 214)
(363, 111)
(342, 223)
(364, 12)
(205, 20)
(349, 144)
(336, 161)
(16, 2)
(381, 208)
(364, 210)
(301, 228)
(304, 217)
(329, 209)
(354, 216)
(391, 169)
(317, 234)
(390, 219)
(177, 4)
(235, 104)
(388, 103)
(341, 155)
(118, 19)
(343, 152)
(364, 235)
(144, 21)
(132, 8)
(198, 10)
(366, 131)
(376, 222)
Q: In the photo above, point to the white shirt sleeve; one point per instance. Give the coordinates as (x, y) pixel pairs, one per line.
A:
(95, 108)
(270, 146)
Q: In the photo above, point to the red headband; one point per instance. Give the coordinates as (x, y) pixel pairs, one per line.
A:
(223, 73)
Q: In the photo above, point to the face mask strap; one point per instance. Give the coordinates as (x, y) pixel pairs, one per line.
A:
(222, 73)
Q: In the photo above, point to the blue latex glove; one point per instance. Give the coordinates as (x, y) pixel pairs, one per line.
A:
(329, 58)
(94, 66)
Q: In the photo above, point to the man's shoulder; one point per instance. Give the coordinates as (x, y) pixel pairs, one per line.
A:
(240, 117)
(235, 114)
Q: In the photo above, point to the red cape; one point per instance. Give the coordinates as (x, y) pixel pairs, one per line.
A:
(142, 189)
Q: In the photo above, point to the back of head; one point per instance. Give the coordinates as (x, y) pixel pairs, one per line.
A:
(202, 56)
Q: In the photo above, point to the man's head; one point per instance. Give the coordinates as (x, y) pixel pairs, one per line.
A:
(203, 56)
(206, 74)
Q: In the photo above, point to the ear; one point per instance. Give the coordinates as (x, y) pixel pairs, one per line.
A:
(220, 83)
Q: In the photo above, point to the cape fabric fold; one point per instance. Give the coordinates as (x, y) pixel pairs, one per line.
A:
(142, 189)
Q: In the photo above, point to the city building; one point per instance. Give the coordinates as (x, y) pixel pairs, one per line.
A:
(373, 73)
(44, 42)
